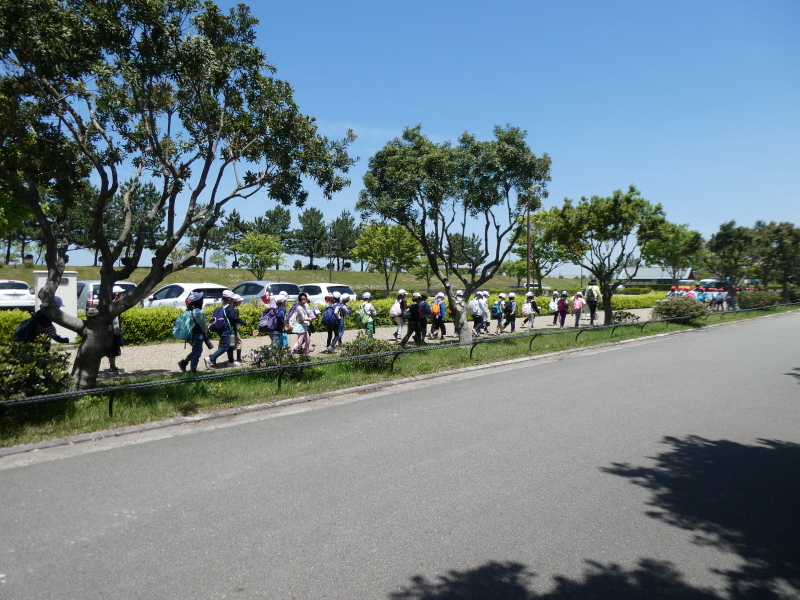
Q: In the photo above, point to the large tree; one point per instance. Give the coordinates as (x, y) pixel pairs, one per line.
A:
(388, 250)
(344, 235)
(437, 190)
(311, 239)
(729, 254)
(172, 92)
(603, 234)
(276, 222)
(777, 253)
(545, 256)
(677, 250)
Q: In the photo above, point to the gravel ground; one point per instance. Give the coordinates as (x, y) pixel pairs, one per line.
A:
(162, 359)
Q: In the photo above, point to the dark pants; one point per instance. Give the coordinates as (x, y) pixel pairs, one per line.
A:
(415, 329)
(197, 350)
(510, 320)
(224, 346)
(333, 333)
(592, 311)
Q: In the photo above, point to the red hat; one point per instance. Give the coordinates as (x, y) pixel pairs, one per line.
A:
(673, 288)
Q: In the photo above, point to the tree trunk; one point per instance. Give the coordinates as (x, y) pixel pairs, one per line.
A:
(608, 310)
(96, 252)
(95, 341)
(8, 251)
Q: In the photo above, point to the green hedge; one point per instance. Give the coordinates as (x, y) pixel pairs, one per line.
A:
(9, 319)
(756, 299)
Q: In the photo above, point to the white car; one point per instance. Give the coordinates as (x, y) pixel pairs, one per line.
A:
(317, 291)
(175, 294)
(16, 294)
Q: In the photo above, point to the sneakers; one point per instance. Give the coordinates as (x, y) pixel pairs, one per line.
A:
(235, 363)
(209, 363)
(182, 365)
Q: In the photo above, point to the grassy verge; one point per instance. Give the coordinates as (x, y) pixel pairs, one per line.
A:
(27, 424)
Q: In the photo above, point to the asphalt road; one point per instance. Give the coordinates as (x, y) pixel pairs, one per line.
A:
(664, 468)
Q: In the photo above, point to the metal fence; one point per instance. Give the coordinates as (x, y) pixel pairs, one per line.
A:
(112, 391)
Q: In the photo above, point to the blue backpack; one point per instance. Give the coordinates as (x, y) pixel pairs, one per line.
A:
(184, 326)
(219, 321)
(329, 317)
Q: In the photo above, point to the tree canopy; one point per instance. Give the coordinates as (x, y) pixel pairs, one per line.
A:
(437, 191)
(603, 234)
(388, 249)
(175, 93)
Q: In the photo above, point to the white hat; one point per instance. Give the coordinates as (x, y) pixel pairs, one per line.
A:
(401, 292)
(416, 295)
(460, 293)
(502, 295)
(237, 298)
(579, 294)
(564, 293)
(194, 297)
(345, 298)
(512, 295)
(228, 294)
(366, 295)
(440, 295)
(529, 294)
(117, 289)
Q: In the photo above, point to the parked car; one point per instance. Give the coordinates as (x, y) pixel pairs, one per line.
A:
(250, 290)
(88, 292)
(317, 291)
(16, 294)
(175, 294)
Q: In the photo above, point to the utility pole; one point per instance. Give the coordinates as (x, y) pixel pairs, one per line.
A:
(330, 251)
(528, 254)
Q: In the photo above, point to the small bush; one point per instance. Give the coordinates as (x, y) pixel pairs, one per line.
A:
(270, 356)
(9, 320)
(364, 346)
(621, 316)
(679, 307)
(756, 299)
(31, 369)
(635, 291)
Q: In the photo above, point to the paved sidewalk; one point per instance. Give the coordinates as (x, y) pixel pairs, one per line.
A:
(154, 360)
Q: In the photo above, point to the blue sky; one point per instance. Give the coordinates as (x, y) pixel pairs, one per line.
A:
(696, 103)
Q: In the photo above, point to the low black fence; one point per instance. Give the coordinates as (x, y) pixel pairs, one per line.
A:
(112, 391)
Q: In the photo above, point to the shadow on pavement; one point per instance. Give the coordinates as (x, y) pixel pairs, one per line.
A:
(650, 580)
(795, 373)
(739, 498)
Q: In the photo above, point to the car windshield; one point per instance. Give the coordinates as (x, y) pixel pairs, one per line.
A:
(291, 289)
(342, 289)
(209, 294)
(13, 285)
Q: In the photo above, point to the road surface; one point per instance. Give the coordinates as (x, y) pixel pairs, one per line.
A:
(664, 468)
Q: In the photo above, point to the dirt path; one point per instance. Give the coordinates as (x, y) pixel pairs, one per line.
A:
(158, 360)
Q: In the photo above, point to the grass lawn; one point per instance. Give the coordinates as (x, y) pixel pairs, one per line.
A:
(26, 424)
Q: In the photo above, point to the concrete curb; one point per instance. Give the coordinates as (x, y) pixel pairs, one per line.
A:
(370, 387)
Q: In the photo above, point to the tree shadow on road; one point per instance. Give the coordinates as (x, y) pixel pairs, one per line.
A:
(795, 373)
(649, 580)
(738, 498)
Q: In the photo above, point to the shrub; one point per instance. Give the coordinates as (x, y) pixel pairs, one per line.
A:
(9, 320)
(635, 291)
(146, 325)
(679, 307)
(629, 302)
(364, 346)
(270, 356)
(756, 299)
(621, 316)
(32, 369)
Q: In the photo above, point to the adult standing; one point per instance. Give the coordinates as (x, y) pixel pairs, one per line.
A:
(115, 346)
(592, 297)
(194, 304)
(414, 316)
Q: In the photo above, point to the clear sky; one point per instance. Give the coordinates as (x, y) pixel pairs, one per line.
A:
(696, 103)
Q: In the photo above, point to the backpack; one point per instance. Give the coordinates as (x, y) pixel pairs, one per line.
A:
(219, 320)
(436, 309)
(184, 326)
(361, 317)
(526, 309)
(590, 295)
(562, 304)
(395, 310)
(496, 310)
(329, 317)
(474, 307)
(577, 304)
(26, 331)
(268, 321)
(510, 308)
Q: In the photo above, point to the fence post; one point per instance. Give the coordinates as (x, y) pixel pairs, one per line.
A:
(394, 358)
(111, 404)
(535, 335)
(280, 377)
